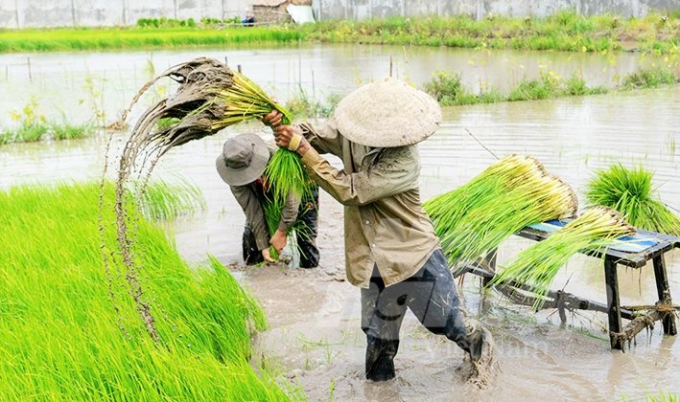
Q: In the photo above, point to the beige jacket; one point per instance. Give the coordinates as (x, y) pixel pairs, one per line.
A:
(384, 221)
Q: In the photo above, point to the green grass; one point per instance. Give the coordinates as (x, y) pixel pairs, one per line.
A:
(163, 200)
(565, 31)
(68, 131)
(448, 90)
(38, 130)
(651, 78)
(70, 328)
(630, 192)
(69, 39)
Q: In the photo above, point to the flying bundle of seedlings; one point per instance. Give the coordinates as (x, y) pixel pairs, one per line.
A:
(630, 192)
(510, 194)
(210, 97)
(537, 266)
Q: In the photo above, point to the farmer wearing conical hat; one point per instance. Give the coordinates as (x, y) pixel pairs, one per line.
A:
(391, 250)
(241, 165)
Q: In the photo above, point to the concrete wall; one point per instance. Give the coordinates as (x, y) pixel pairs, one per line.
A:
(51, 13)
(360, 9)
(54, 13)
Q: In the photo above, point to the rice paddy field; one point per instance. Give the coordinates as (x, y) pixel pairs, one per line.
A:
(210, 311)
(71, 329)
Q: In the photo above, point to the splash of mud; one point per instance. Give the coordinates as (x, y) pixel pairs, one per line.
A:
(196, 107)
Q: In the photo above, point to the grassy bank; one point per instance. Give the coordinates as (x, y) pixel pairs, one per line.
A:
(449, 90)
(566, 30)
(70, 328)
(138, 37)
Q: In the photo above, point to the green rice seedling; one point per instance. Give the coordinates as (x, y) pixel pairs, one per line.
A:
(70, 39)
(30, 132)
(630, 192)
(509, 195)
(596, 229)
(67, 131)
(165, 201)
(72, 332)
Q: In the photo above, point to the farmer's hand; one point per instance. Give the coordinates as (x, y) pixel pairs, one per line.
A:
(278, 241)
(267, 257)
(273, 119)
(290, 137)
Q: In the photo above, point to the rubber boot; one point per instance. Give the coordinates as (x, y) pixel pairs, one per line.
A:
(380, 358)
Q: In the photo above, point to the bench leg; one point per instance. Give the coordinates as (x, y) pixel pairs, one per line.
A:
(613, 302)
(664, 291)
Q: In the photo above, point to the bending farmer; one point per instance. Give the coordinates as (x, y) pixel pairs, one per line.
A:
(391, 250)
(241, 165)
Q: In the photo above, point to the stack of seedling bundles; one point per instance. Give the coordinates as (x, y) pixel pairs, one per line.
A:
(630, 192)
(512, 193)
(595, 230)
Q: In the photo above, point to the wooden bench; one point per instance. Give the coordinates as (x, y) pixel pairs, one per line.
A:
(633, 252)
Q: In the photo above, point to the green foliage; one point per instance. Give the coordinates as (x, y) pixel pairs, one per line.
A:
(71, 330)
(565, 31)
(68, 131)
(302, 106)
(630, 192)
(650, 78)
(448, 90)
(33, 40)
(164, 200)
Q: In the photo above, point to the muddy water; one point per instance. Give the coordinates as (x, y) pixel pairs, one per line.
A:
(80, 86)
(315, 338)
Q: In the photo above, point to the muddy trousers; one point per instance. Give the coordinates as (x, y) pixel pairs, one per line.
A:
(306, 236)
(432, 297)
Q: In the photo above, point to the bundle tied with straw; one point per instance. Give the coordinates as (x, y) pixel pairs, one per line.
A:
(630, 192)
(537, 266)
(210, 97)
(512, 193)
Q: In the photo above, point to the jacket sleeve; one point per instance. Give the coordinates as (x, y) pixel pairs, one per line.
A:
(392, 171)
(289, 213)
(325, 139)
(254, 215)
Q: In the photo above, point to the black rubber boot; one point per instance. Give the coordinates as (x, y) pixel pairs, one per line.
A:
(380, 359)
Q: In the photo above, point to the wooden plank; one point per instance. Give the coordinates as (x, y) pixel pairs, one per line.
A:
(613, 303)
(664, 292)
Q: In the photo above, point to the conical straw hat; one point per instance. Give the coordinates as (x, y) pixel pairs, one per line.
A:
(387, 113)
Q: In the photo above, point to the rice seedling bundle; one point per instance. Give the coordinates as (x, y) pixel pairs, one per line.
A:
(70, 331)
(596, 229)
(630, 192)
(209, 98)
(510, 194)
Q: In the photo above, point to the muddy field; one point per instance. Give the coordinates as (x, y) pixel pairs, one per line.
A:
(315, 337)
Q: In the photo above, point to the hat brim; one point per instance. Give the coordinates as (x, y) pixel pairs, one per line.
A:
(388, 113)
(241, 177)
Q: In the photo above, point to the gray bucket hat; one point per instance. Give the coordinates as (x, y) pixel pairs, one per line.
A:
(387, 113)
(243, 159)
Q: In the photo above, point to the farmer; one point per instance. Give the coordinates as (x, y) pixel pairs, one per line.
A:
(391, 250)
(241, 165)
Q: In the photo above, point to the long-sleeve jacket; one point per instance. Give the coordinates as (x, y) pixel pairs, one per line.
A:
(384, 221)
(250, 197)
